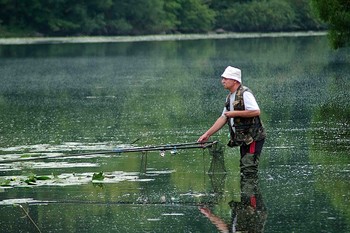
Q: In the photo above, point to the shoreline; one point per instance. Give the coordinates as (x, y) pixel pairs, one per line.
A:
(116, 39)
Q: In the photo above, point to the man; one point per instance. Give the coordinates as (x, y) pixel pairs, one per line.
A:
(241, 113)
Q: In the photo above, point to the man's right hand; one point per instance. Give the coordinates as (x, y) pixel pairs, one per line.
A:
(203, 138)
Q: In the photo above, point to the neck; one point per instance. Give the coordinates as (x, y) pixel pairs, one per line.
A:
(235, 87)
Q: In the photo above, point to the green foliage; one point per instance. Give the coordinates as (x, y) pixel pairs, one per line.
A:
(260, 16)
(195, 16)
(336, 13)
(171, 9)
(305, 17)
(219, 5)
(137, 17)
(148, 15)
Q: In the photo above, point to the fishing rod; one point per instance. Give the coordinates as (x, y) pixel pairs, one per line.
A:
(161, 148)
(82, 202)
(166, 147)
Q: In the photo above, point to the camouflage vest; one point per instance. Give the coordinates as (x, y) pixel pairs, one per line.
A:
(247, 129)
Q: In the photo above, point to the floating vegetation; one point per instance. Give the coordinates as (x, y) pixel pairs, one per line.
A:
(98, 176)
(5, 182)
(64, 147)
(67, 179)
(25, 156)
(41, 165)
(26, 152)
(32, 178)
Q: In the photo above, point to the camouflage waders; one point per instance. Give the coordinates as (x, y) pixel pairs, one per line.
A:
(250, 155)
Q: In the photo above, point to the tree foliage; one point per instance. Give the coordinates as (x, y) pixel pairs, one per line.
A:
(336, 13)
(137, 17)
(195, 16)
(260, 16)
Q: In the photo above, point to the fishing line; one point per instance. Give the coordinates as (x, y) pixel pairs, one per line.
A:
(27, 214)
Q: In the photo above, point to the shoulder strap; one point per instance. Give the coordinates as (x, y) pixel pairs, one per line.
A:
(227, 104)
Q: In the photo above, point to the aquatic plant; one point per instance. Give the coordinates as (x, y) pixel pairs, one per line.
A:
(32, 178)
(5, 182)
(98, 176)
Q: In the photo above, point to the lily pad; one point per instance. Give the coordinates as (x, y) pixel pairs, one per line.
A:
(98, 176)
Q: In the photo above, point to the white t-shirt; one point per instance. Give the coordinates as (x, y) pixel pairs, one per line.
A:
(249, 103)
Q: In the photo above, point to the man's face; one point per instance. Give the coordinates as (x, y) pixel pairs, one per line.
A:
(227, 83)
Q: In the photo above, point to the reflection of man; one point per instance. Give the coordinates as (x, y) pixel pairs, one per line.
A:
(242, 115)
(249, 215)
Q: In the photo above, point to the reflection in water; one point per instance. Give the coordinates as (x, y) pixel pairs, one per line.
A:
(250, 214)
(247, 215)
(143, 166)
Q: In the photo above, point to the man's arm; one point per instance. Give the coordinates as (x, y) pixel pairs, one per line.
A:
(242, 113)
(219, 123)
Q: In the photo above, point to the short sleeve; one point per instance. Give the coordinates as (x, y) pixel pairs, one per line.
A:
(250, 101)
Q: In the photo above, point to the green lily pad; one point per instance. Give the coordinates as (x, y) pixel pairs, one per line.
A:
(98, 176)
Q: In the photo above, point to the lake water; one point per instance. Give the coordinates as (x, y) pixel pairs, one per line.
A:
(69, 99)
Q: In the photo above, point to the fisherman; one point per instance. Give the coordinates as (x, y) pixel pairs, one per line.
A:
(242, 114)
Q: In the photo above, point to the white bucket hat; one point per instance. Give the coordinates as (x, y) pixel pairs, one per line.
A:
(232, 73)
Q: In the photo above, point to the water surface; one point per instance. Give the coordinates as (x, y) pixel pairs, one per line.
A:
(60, 99)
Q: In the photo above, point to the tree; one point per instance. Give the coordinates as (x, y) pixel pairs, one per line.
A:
(142, 16)
(336, 13)
(262, 16)
(195, 16)
(139, 17)
(305, 17)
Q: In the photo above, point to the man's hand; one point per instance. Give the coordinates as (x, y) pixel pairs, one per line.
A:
(203, 138)
(229, 114)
